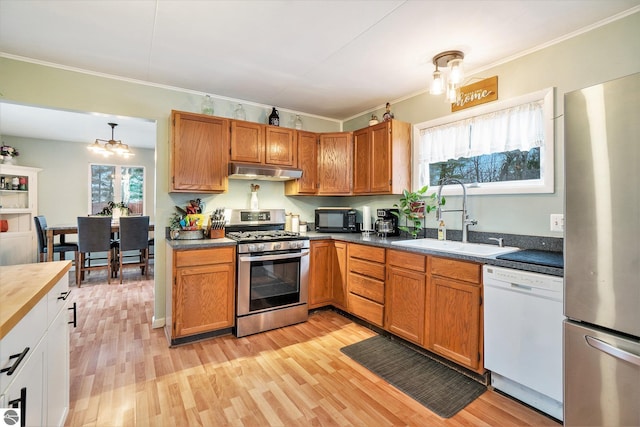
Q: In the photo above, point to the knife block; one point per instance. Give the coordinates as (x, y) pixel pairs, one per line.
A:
(216, 233)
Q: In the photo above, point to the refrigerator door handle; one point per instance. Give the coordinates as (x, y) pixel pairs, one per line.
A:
(613, 351)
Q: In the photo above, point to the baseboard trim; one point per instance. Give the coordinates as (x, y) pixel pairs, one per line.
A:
(157, 322)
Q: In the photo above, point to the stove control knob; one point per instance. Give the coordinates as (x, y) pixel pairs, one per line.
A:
(277, 246)
(260, 247)
(252, 248)
(296, 245)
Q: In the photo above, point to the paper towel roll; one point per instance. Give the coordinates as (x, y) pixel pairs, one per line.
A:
(366, 218)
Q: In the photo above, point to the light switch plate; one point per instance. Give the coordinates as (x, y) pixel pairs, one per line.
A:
(557, 222)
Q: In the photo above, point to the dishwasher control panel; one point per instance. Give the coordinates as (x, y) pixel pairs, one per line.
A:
(524, 278)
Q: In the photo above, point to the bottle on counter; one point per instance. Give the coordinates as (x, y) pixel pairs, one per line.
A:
(442, 230)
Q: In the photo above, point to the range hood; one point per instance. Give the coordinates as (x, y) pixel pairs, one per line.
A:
(262, 172)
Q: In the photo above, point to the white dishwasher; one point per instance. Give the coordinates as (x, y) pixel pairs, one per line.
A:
(523, 314)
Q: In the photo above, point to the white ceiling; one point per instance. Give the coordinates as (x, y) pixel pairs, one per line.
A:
(334, 59)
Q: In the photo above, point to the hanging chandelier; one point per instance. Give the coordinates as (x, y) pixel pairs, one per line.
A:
(451, 59)
(110, 147)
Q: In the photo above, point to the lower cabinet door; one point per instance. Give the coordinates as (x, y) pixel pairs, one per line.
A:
(455, 321)
(204, 299)
(26, 392)
(405, 304)
(57, 370)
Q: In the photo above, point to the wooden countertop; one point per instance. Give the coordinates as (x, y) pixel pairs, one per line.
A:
(23, 286)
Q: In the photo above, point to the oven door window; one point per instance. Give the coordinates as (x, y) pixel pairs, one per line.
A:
(274, 283)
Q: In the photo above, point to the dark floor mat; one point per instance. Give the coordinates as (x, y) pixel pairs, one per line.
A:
(436, 386)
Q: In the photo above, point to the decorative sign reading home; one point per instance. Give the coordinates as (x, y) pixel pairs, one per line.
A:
(477, 93)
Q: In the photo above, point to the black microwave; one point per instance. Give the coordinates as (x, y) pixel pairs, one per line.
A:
(336, 220)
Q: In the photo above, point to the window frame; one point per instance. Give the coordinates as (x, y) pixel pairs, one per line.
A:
(546, 183)
(117, 196)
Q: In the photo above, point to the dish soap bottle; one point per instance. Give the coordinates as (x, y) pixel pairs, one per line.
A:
(442, 230)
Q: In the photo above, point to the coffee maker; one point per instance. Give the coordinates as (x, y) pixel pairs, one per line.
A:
(387, 223)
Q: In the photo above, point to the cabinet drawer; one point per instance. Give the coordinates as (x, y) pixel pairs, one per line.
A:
(407, 260)
(57, 298)
(208, 256)
(460, 270)
(367, 268)
(370, 253)
(368, 310)
(26, 333)
(366, 287)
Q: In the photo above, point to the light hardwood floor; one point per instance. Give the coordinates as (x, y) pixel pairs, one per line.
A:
(124, 374)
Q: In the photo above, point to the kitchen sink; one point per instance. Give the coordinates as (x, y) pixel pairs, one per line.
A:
(472, 249)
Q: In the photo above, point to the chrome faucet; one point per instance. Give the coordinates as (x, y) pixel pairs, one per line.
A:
(466, 222)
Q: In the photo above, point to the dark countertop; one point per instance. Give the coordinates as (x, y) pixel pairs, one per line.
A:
(374, 240)
(200, 243)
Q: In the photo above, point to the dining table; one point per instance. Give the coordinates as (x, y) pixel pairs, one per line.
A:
(63, 230)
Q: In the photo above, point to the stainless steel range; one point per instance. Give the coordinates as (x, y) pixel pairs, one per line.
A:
(273, 271)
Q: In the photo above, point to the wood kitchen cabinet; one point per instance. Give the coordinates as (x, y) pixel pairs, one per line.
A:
(335, 151)
(199, 153)
(247, 142)
(321, 273)
(308, 162)
(201, 298)
(339, 267)
(405, 295)
(327, 278)
(262, 144)
(454, 321)
(366, 282)
(382, 158)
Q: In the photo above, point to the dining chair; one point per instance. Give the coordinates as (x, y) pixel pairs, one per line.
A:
(94, 237)
(134, 236)
(61, 248)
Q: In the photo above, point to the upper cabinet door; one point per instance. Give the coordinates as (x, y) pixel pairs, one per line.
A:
(380, 143)
(307, 143)
(361, 161)
(199, 153)
(280, 146)
(247, 142)
(335, 152)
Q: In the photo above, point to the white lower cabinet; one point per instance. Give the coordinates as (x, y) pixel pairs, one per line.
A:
(57, 367)
(25, 392)
(37, 384)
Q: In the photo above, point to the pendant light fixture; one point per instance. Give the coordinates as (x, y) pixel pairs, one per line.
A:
(451, 59)
(110, 147)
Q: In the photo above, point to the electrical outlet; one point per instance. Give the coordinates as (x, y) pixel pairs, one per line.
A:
(557, 222)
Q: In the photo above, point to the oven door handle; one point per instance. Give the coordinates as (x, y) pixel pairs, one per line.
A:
(274, 257)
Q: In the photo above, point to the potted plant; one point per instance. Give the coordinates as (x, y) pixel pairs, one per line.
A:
(413, 206)
(174, 225)
(115, 210)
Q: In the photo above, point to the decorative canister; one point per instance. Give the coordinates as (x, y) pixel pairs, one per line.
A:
(15, 183)
(295, 223)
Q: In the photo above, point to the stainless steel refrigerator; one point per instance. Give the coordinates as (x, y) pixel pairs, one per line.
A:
(602, 254)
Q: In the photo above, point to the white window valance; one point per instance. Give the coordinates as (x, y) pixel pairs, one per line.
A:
(516, 128)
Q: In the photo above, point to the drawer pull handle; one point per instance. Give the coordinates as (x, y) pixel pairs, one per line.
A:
(11, 369)
(22, 402)
(74, 308)
(64, 295)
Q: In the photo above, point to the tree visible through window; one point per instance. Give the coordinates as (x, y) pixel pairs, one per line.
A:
(112, 183)
(513, 165)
